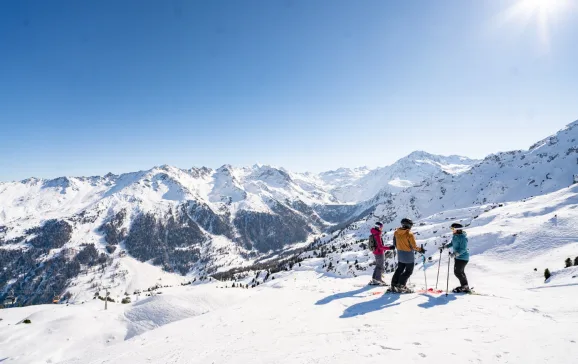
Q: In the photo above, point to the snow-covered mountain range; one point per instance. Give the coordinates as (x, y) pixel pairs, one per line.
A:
(547, 166)
(200, 221)
(404, 173)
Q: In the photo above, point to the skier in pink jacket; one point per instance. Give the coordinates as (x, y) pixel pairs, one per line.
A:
(379, 254)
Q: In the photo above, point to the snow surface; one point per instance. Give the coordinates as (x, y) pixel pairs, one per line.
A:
(307, 318)
(58, 332)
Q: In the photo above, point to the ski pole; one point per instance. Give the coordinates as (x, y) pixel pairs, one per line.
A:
(423, 260)
(439, 264)
(448, 284)
(424, 275)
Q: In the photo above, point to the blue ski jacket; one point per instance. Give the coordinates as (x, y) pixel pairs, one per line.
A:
(460, 244)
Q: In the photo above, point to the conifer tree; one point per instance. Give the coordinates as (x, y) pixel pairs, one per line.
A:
(547, 274)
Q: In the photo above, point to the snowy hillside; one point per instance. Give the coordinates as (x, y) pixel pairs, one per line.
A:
(536, 232)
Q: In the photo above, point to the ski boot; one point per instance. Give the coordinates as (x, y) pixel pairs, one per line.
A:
(461, 289)
(404, 289)
(391, 289)
(400, 289)
(375, 282)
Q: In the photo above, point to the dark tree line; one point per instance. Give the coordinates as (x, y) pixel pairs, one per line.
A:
(38, 278)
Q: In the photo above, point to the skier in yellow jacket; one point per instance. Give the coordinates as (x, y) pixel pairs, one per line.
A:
(404, 242)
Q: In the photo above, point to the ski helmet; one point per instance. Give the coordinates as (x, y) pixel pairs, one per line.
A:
(379, 224)
(457, 226)
(406, 223)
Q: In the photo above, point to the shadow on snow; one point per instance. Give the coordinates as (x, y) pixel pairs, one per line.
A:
(433, 301)
(339, 296)
(390, 300)
(384, 301)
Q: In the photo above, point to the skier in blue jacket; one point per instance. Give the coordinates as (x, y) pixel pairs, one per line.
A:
(461, 254)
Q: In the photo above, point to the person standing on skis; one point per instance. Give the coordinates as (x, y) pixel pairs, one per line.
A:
(379, 253)
(404, 242)
(461, 254)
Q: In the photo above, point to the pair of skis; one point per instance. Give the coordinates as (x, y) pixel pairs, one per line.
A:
(430, 291)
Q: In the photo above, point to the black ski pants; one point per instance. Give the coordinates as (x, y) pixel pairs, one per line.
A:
(459, 267)
(402, 274)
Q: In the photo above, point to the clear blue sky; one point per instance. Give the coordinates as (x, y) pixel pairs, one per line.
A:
(88, 87)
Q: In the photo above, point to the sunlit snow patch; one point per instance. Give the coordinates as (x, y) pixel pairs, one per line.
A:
(159, 310)
(401, 183)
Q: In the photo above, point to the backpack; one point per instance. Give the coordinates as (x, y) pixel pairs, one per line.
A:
(372, 244)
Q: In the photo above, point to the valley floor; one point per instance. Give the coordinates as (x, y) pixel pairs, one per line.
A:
(306, 317)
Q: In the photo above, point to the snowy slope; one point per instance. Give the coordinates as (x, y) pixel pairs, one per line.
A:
(60, 331)
(539, 232)
(324, 320)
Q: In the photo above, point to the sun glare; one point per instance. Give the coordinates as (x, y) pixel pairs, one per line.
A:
(543, 8)
(543, 13)
(542, 5)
